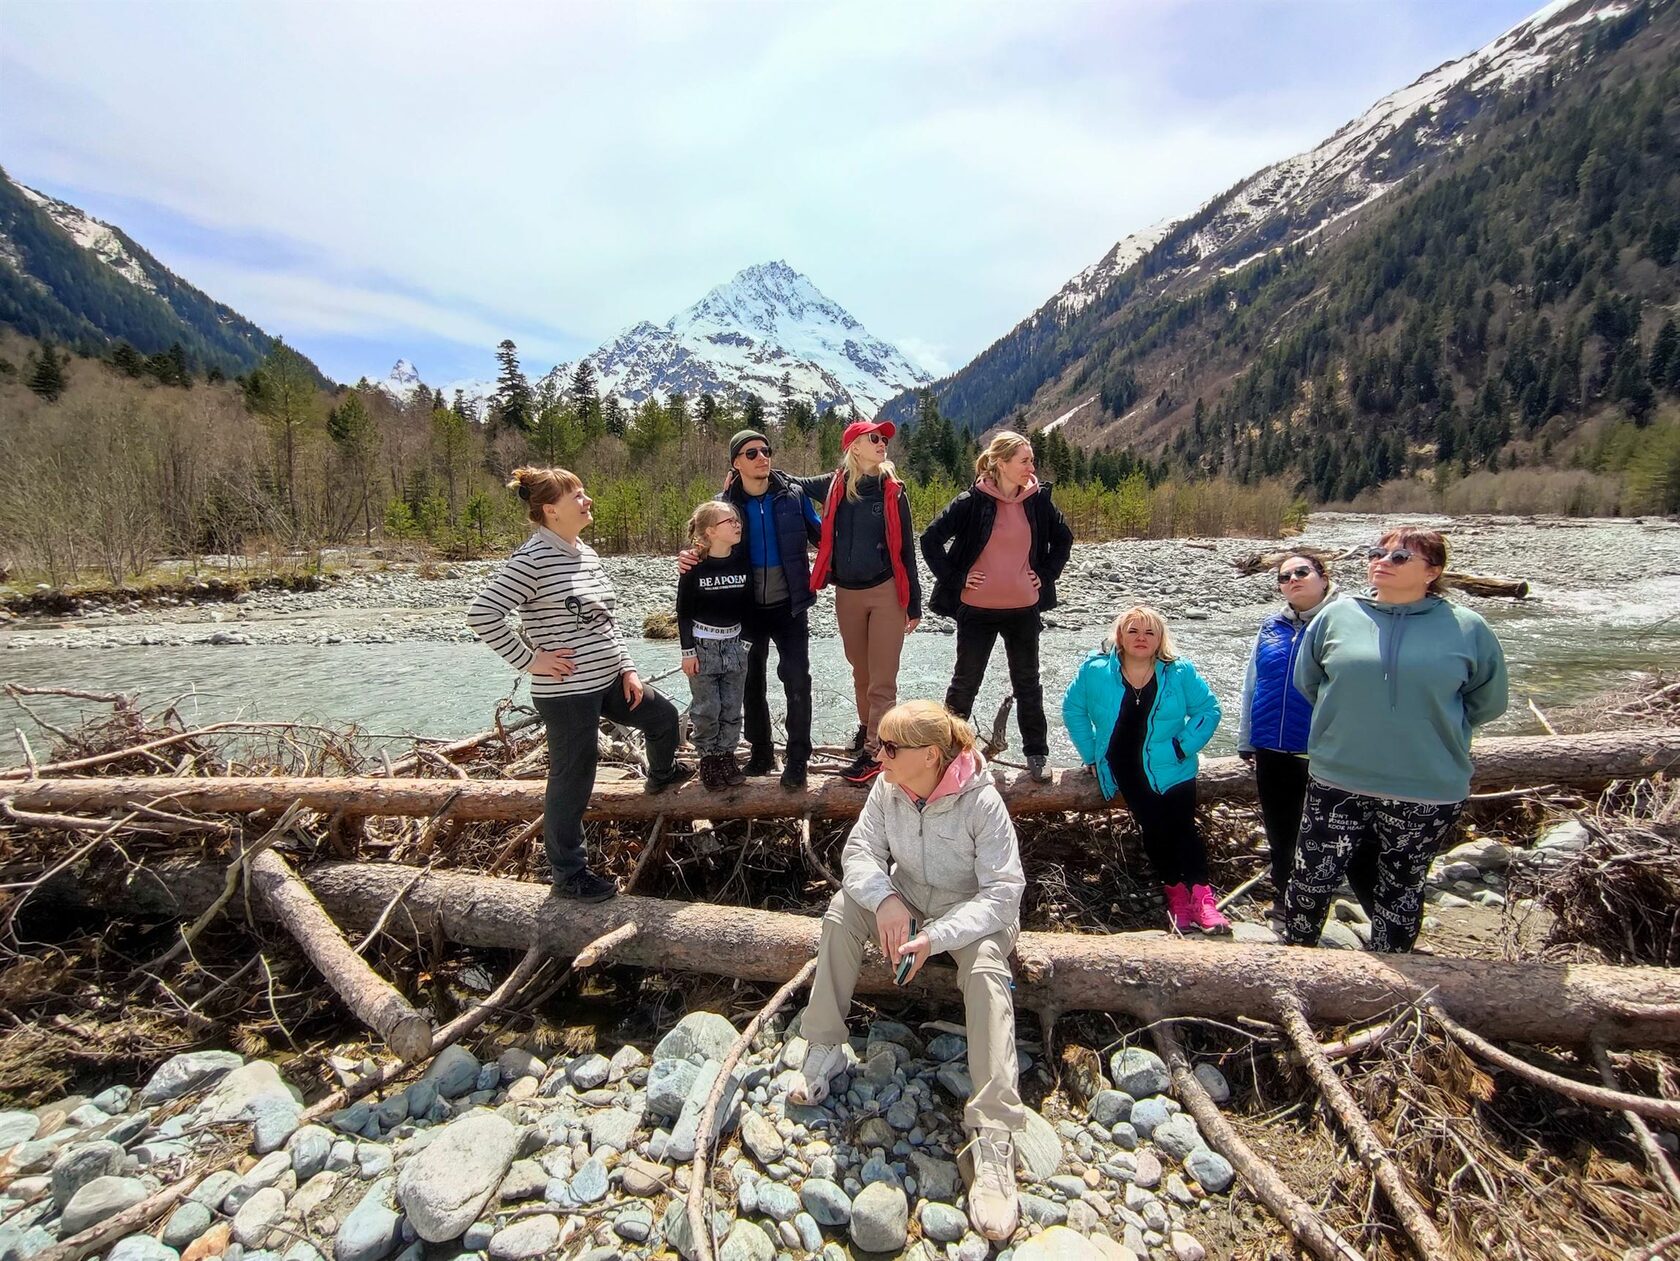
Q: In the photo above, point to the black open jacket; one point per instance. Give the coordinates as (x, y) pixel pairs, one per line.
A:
(955, 538)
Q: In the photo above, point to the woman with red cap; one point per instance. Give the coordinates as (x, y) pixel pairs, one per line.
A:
(868, 549)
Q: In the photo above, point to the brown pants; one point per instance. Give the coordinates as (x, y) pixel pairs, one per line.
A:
(984, 977)
(872, 633)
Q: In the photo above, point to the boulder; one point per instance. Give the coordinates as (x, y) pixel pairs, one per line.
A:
(98, 1199)
(880, 1218)
(446, 1186)
(181, 1073)
(1138, 1072)
(701, 1033)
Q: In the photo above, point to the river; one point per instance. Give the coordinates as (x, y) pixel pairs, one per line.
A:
(388, 650)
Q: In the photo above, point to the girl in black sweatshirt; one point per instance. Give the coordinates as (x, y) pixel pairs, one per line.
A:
(712, 597)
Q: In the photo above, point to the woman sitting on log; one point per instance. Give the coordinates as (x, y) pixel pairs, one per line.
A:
(580, 670)
(932, 867)
(1272, 728)
(1139, 714)
(1398, 678)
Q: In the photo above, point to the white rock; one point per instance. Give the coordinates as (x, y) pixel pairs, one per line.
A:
(445, 1188)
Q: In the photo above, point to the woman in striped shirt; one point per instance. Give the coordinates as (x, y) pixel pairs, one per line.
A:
(580, 671)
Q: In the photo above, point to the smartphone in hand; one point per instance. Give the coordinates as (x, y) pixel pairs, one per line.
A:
(902, 972)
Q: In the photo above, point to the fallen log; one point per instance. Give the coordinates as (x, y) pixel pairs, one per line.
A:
(1474, 584)
(1584, 762)
(373, 1000)
(1132, 973)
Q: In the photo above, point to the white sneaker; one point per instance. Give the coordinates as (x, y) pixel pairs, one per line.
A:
(822, 1065)
(994, 1208)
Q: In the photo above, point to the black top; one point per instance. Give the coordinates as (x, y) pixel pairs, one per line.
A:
(860, 559)
(1125, 746)
(716, 594)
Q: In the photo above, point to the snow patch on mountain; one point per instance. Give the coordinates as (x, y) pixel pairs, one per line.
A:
(98, 238)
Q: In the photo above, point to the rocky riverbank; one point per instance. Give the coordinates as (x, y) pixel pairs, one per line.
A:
(589, 1158)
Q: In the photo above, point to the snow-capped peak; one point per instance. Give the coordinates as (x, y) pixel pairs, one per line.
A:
(99, 238)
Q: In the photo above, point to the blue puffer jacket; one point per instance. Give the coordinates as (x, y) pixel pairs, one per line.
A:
(1274, 714)
(788, 507)
(1184, 718)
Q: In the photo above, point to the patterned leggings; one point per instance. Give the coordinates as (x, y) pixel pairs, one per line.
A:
(1334, 825)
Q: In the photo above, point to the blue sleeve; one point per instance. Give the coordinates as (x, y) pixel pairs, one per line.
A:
(1245, 716)
(1076, 717)
(1202, 712)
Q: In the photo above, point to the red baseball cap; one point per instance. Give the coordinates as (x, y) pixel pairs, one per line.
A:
(858, 428)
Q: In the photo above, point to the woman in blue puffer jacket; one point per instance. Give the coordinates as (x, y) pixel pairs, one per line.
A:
(1139, 714)
(1275, 719)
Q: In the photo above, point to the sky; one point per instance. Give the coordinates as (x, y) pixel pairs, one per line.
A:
(381, 178)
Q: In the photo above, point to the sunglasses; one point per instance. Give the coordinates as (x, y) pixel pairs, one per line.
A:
(1289, 575)
(756, 453)
(893, 749)
(876, 438)
(1398, 556)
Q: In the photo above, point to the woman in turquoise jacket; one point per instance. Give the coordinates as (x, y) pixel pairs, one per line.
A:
(1139, 714)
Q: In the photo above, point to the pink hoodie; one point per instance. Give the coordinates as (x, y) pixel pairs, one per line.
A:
(1003, 560)
(963, 768)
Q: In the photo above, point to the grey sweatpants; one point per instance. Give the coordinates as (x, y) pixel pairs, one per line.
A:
(718, 690)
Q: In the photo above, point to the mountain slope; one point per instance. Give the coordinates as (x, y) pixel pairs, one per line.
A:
(66, 276)
(1082, 351)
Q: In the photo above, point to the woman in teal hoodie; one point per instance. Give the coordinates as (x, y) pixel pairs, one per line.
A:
(1139, 714)
(1399, 678)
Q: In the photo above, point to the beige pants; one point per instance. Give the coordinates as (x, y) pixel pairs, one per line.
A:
(983, 974)
(872, 633)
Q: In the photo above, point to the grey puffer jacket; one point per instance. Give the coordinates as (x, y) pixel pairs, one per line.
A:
(954, 860)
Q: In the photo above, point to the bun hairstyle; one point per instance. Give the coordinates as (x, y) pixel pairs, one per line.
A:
(1006, 446)
(1165, 650)
(539, 486)
(705, 517)
(928, 724)
(1430, 545)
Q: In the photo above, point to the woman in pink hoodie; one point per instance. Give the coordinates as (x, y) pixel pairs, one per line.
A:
(995, 553)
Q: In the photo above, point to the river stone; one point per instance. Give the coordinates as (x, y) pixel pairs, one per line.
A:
(947, 1046)
(237, 1092)
(525, 1181)
(213, 1190)
(589, 1071)
(308, 1148)
(81, 1165)
(274, 1119)
(454, 1072)
(1146, 1170)
(936, 1179)
(942, 1223)
(634, 1223)
(517, 1062)
(253, 1222)
(826, 1202)
(1058, 1243)
(880, 1218)
(531, 1237)
(1178, 1136)
(447, 1185)
(17, 1127)
(1213, 1081)
(97, 1199)
(1109, 1107)
(1038, 1147)
(668, 1084)
(1138, 1072)
(141, 1248)
(954, 1080)
(589, 1183)
(186, 1224)
(1044, 1211)
(685, 1134)
(265, 1173)
(640, 1177)
(777, 1201)
(747, 1242)
(760, 1138)
(371, 1229)
(1210, 1169)
(613, 1127)
(180, 1073)
(677, 1234)
(1149, 1113)
(702, 1033)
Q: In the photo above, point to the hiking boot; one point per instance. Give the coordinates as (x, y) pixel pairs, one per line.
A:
(1038, 768)
(994, 1208)
(859, 741)
(1180, 915)
(712, 774)
(821, 1066)
(680, 773)
(1204, 910)
(731, 770)
(863, 770)
(586, 886)
(793, 775)
(762, 762)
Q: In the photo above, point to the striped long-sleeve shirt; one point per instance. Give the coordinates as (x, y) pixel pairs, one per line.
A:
(564, 600)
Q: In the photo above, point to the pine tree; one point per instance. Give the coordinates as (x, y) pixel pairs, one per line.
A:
(585, 396)
(752, 413)
(127, 360)
(1664, 369)
(47, 377)
(510, 406)
(286, 400)
(356, 437)
(611, 419)
(179, 373)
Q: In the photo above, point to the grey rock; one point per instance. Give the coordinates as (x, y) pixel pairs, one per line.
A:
(17, 1127)
(777, 1201)
(1211, 1170)
(826, 1202)
(1044, 1212)
(954, 1080)
(354, 1119)
(701, 1033)
(81, 1165)
(1147, 1172)
(589, 1071)
(274, 1119)
(421, 1096)
(1038, 1147)
(141, 1248)
(453, 1072)
(810, 1234)
(634, 1223)
(1340, 936)
(530, 1237)
(1138, 1072)
(589, 1183)
(677, 1234)
(98, 1199)
(517, 1062)
(760, 1138)
(446, 1186)
(1213, 1081)
(876, 1169)
(880, 1218)
(341, 1156)
(1178, 1136)
(613, 1127)
(746, 1242)
(186, 1224)
(258, 1216)
(371, 1229)
(1124, 1135)
(1148, 1114)
(891, 1031)
(265, 1173)
(373, 1160)
(936, 1179)
(393, 1111)
(947, 1046)
(1109, 1107)
(525, 1181)
(685, 1135)
(113, 1099)
(308, 1148)
(669, 1082)
(942, 1223)
(181, 1073)
(213, 1190)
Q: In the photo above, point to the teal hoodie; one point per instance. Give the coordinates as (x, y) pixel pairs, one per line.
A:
(1396, 690)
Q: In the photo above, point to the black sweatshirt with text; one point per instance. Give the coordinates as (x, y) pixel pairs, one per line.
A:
(712, 598)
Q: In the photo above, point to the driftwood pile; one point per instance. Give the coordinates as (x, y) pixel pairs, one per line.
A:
(140, 818)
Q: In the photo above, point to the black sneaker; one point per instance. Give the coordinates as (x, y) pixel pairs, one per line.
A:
(681, 773)
(863, 770)
(793, 776)
(762, 762)
(586, 886)
(859, 740)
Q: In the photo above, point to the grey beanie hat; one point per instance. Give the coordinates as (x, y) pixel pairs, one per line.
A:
(741, 438)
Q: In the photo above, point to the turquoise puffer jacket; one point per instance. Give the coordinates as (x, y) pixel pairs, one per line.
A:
(1184, 718)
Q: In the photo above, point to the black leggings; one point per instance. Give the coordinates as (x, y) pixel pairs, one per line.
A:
(1170, 835)
(1281, 781)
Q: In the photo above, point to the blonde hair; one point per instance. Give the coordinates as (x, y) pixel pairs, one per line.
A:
(927, 725)
(1166, 650)
(705, 517)
(539, 486)
(854, 469)
(1006, 446)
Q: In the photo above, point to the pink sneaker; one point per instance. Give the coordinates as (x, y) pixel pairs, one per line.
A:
(1180, 908)
(1205, 912)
